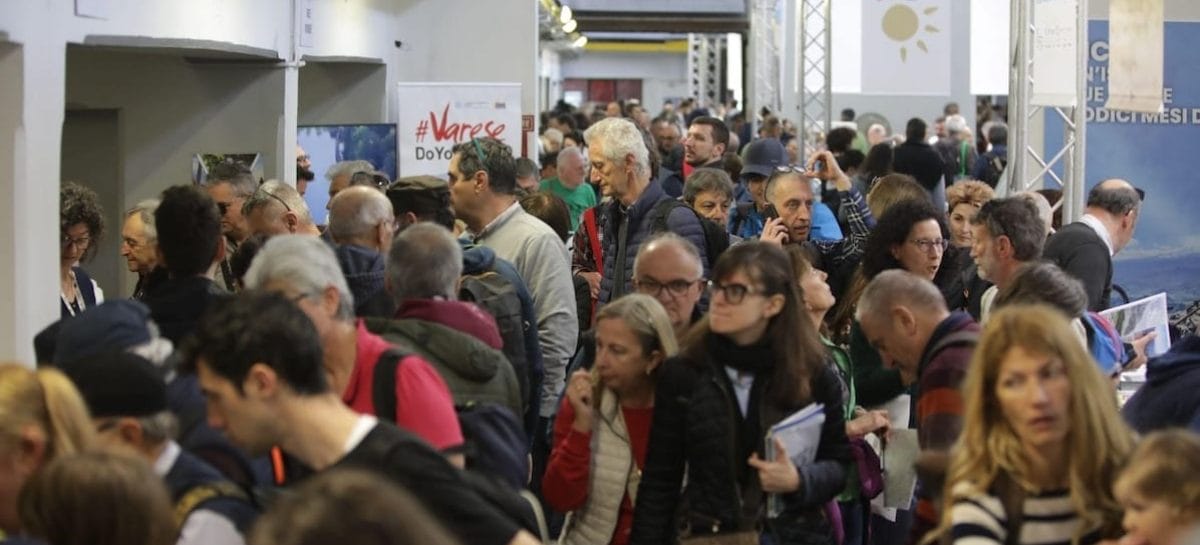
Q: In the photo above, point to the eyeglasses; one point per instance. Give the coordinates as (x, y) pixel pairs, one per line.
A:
(654, 288)
(81, 242)
(479, 150)
(733, 293)
(927, 245)
(276, 197)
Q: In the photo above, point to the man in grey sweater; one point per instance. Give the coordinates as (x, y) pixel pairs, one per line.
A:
(482, 179)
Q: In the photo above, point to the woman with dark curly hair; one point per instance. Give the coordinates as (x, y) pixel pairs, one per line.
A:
(81, 224)
(911, 236)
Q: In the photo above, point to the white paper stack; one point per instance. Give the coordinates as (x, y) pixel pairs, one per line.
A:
(800, 435)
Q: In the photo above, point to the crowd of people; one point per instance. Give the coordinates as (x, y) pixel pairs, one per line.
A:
(607, 345)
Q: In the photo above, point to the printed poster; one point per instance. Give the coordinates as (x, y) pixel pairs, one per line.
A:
(436, 116)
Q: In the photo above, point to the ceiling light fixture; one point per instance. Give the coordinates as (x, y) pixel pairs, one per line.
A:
(570, 26)
(564, 15)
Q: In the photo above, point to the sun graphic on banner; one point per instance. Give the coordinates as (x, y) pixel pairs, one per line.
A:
(901, 23)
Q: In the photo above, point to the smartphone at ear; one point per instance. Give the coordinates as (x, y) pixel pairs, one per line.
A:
(770, 212)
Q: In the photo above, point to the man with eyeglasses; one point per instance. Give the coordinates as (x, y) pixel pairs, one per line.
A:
(789, 190)
(278, 209)
(139, 246)
(1005, 234)
(483, 184)
(229, 185)
(668, 268)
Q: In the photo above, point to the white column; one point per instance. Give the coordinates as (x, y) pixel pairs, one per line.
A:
(286, 158)
(32, 87)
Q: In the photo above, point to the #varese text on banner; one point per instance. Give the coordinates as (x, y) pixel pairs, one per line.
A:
(434, 117)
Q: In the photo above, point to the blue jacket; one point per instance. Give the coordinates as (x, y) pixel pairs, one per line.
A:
(364, 270)
(1168, 399)
(189, 472)
(614, 281)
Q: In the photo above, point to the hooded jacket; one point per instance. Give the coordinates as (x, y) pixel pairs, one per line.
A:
(364, 270)
(1168, 398)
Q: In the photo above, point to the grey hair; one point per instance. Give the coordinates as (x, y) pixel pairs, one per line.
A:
(348, 168)
(1116, 199)
(1045, 211)
(647, 319)
(145, 211)
(354, 214)
(553, 135)
(425, 262)
(306, 264)
(159, 427)
(898, 287)
(707, 179)
(667, 238)
(242, 182)
(619, 137)
(567, 153)
(274, 191)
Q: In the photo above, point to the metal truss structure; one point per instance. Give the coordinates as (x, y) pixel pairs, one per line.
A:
(706, 61)
(1028, 168)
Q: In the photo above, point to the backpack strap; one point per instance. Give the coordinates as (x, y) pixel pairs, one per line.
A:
(197, 495)
(593, 234)
(1012, 497)
(383, 384)
(661, 213)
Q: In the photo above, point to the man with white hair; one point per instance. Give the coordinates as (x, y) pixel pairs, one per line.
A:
(957, 152)
(305, 270)
(621, 165)
(361, 223)
(876, 134)
(139, 246)
(569, 185)
(340, 173)
(278, 209)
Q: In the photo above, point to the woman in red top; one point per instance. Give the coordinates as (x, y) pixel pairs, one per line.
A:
(603, 426)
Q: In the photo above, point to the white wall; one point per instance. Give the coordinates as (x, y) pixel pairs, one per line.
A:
(900, 108)
(168, 108)
(470, 41)
(663, 75)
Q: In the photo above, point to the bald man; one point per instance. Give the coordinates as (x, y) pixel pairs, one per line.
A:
(361, 224)
(668, 268)
(1085, 249)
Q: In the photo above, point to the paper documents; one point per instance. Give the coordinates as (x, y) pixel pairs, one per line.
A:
(800, 435)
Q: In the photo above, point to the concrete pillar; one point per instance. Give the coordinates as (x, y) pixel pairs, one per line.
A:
(32, 82)
(285, 159)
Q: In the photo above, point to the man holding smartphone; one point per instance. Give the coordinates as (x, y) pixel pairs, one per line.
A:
(788, 215)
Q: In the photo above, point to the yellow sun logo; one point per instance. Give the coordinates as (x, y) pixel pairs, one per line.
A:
(901, 23)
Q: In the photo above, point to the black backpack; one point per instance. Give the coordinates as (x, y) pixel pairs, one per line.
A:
(995, 167)
(716, 239)
(496, 295)
(494, 441)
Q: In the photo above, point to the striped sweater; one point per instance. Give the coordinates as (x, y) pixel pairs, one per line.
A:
(1050, 519)
(939, 402)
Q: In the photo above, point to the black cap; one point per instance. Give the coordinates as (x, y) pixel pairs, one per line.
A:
(763, 156)
(118, 384)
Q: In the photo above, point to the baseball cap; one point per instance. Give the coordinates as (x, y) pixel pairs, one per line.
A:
(111, 325)
(118, 383)
(762, 156)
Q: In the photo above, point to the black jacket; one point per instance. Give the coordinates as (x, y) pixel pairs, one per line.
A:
(919, 160)
(1168, 399)
(698, 428)
(177, 304)
(1079, 250)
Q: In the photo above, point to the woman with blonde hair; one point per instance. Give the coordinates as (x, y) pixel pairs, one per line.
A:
(1042, 440)
(42, 417)
(603, 427)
